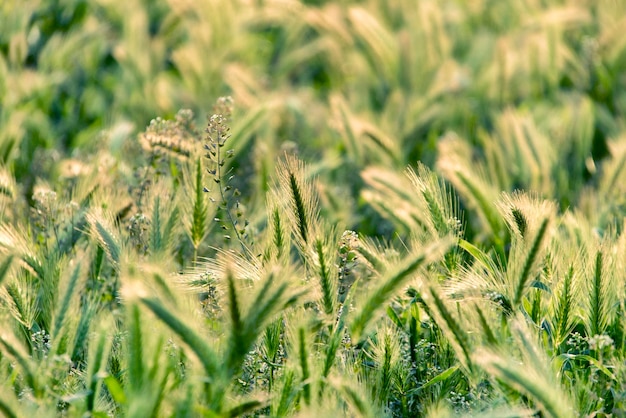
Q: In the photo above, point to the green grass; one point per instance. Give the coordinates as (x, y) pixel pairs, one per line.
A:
(395, 208)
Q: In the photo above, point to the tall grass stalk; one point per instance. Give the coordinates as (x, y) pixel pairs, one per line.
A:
(302, 201)
(597, 318)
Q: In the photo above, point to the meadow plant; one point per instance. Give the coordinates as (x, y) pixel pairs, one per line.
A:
(396, 208)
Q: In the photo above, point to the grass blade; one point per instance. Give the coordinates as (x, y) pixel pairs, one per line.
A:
(7, 410)
(392, 283)
(487, 332)
(358, 401)
(287, 395)
(304, 365)
(239, 338)
(96, 370)
(529, 263)
(197, 344)
(457, 335)
(244, 408)
(4, 267)
(548, 397)
(441, 377)
(135, 352)
(24, 361)
(65, 301)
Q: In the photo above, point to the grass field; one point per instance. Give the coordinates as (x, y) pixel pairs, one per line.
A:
(222, 208)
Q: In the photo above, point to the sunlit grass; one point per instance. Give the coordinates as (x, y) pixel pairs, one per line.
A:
(395, 208)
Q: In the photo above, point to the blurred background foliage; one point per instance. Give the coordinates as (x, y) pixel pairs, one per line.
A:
(533, 92)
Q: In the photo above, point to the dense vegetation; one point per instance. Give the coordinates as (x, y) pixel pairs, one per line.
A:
(395, 208)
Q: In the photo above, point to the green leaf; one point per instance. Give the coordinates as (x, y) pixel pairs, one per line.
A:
(591, 360)
(7, 410)
(4, 267)
(478, 254)
(529, 262)
(115, 389)
(391, 313)
(391, 284)
(197, 344)
(244, 408)
(441, 377)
